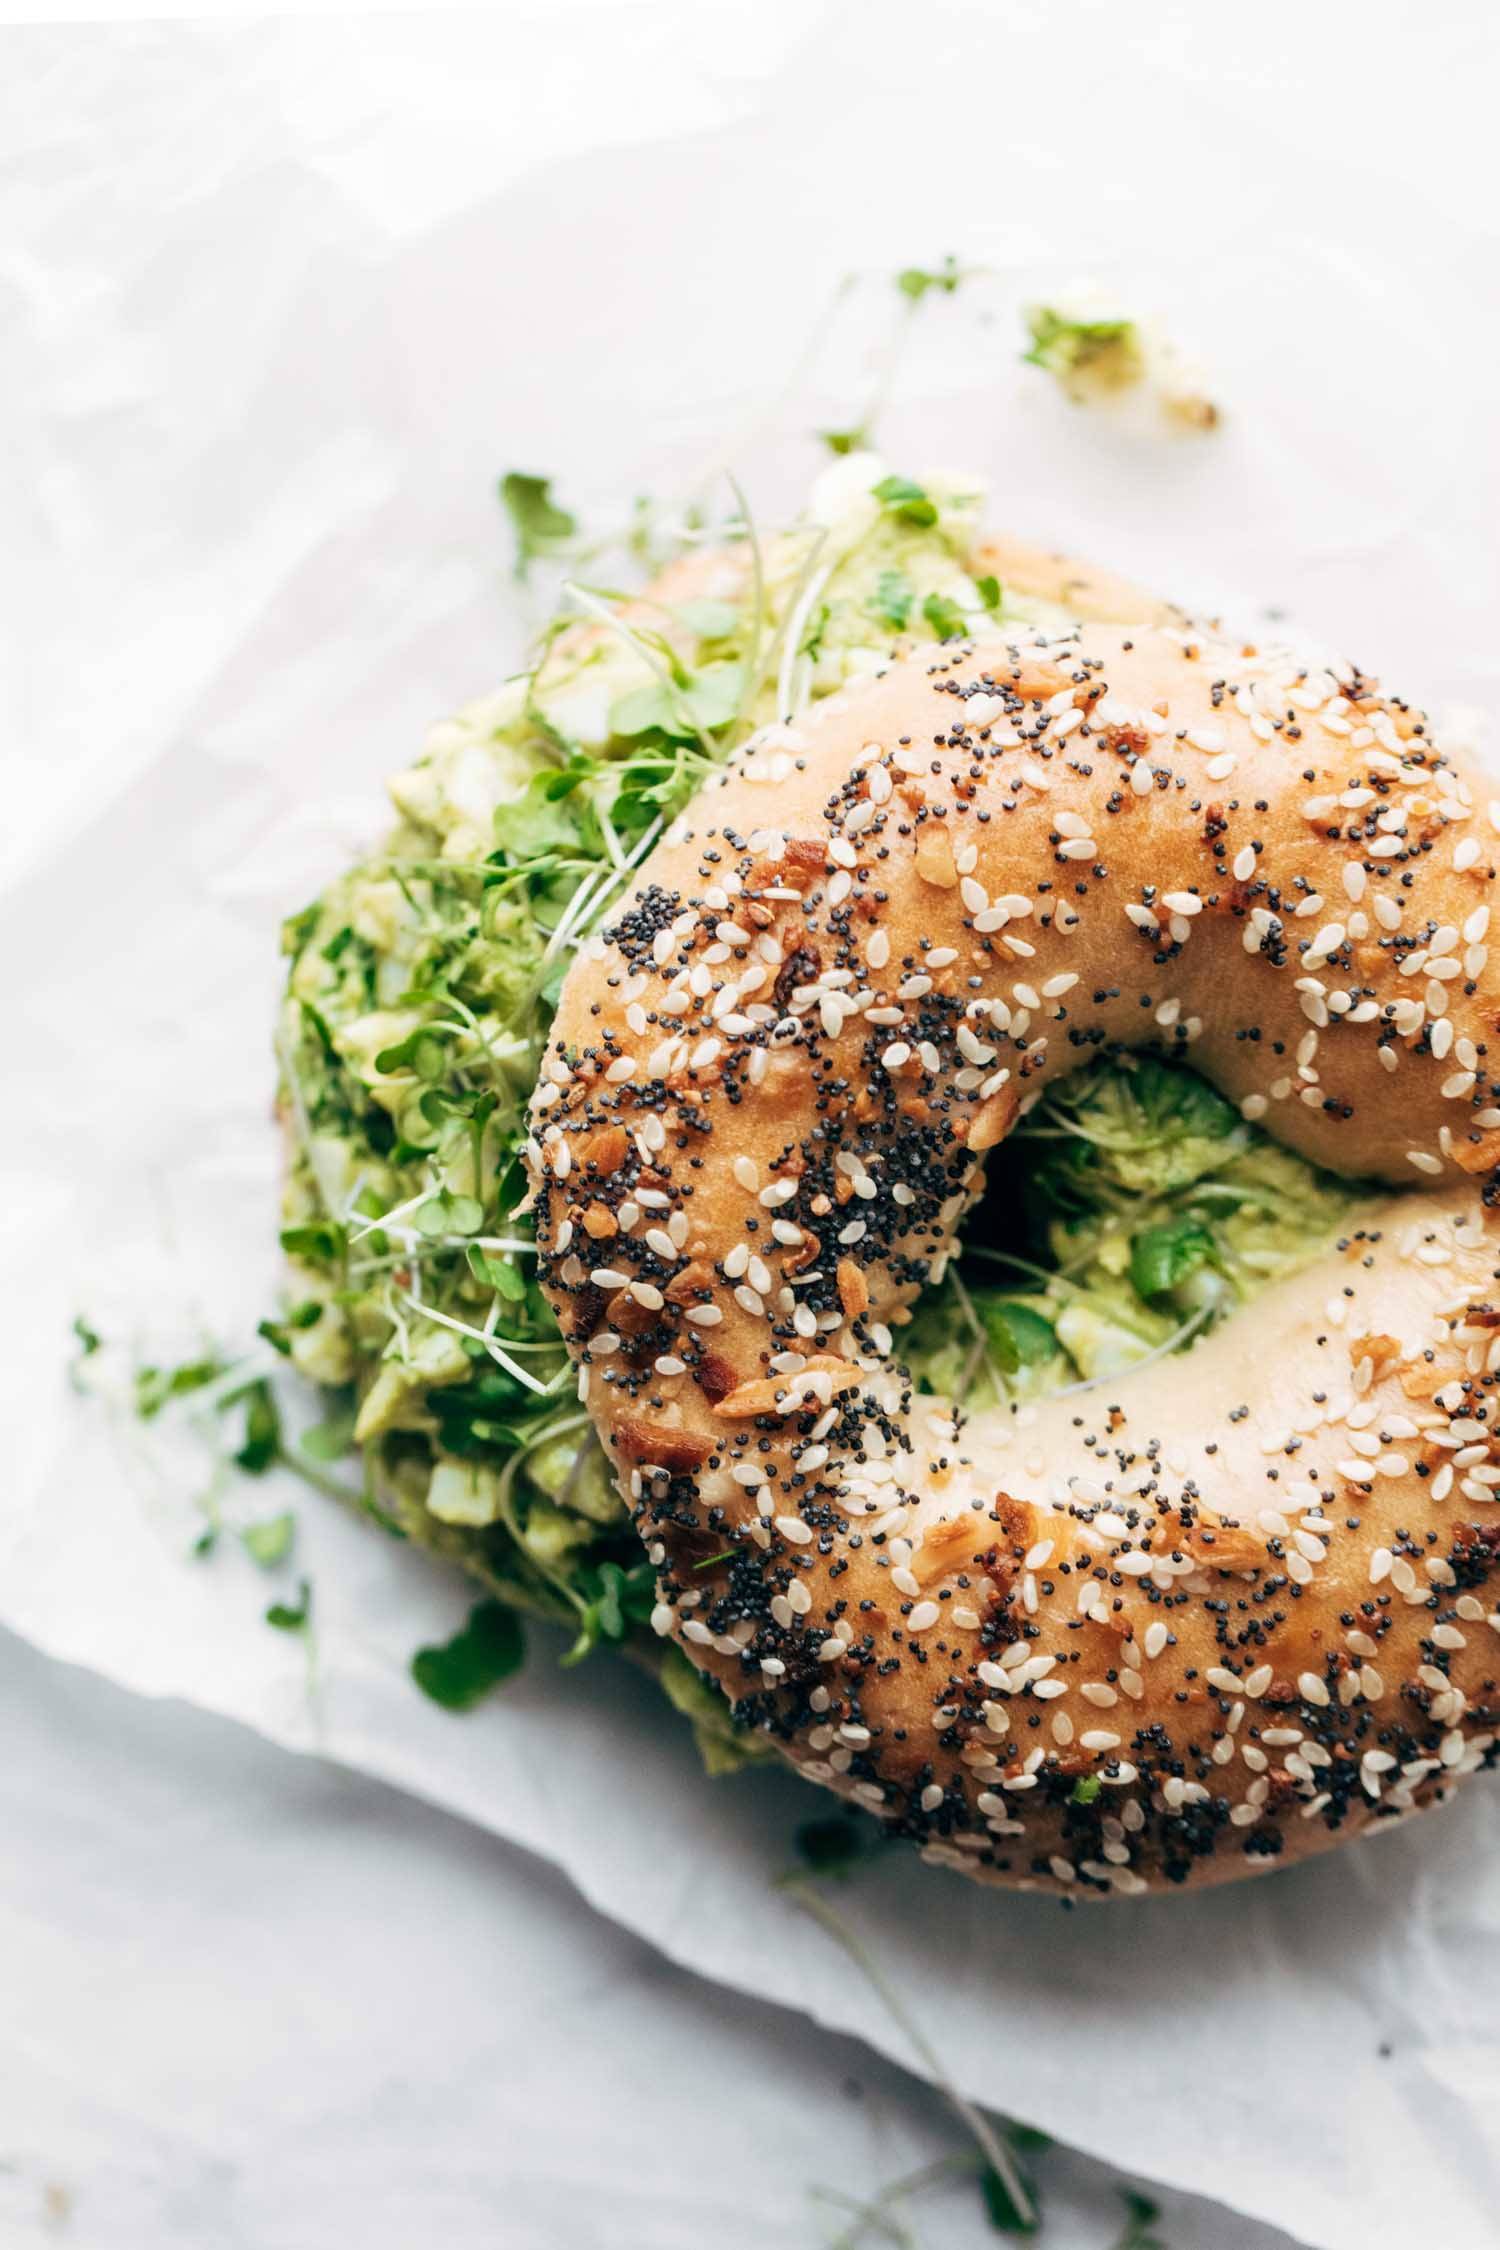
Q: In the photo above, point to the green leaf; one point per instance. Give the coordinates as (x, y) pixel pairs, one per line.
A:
(915, 281)
(88, 1342)
(461, 1672)
(447, 1213)
(906, 501)
(1019, 1336)
(1141, 2215)
(541, 527)
(1085, 1789)
(421, 1052)
(708, 699)
(946, 618)
(298, 928)
(321, 1242)
(262, 1431)
(710, 621)
(831, 1846)
(317, 1024)
(278, 1333)
(817, 626)
(1000, 2206)
(1161, 1257)
(270, 1541)
(845, 441)
(498, 1274)
(154, 1386)
(292, 1617)
(620, 1598)
(988, 590)
(330, 1439)
(892, 599)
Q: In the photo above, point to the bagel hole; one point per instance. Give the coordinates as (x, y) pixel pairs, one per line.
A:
(1126, 1215)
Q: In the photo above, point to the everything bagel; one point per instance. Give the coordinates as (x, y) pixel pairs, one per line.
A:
(1195, 1620)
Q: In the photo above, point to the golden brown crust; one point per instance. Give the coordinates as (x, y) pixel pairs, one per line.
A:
(1230, 1608)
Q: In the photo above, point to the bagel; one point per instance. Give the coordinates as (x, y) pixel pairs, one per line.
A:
(1214, 1614)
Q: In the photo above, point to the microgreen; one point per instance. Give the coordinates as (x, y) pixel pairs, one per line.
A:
(88, 1341)
(321, 1241)
(915, 282)
(945, 617)
(155, 1387)
(292, 1617)
(485, 1651)
(832, 1846)
(906, 501)
(279, 1333)
(892, 599)
(1141, 2215)
(1163, 1256)
(540, 526)
(616, 1598)
(270, 1541)
(262, 1441)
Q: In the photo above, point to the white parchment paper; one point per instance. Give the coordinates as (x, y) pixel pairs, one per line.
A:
(280, 304)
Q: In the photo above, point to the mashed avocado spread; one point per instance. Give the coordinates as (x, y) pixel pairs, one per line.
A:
(418, 1003)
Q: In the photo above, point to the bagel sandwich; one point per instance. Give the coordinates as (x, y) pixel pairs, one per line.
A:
(847, 1144)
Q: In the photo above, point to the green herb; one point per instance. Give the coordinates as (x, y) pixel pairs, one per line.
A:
(906, 501)
(988, 590)
(279, 1333)
(299, 927)
(461, 1672)
(88, 1342)
(1141, 2215)
(319, 1242)
(614, 1599)
(698, 704)
(155, 1387)
(292, 1617)
(945, 617)
(915, 281)
(832, 1846)
(892, 599)
(270, 1541)
(1162, 1257)
(1085, 1789)
(541, 527)
(845, 441)
(331, 1438)
(262, 1442)
(1004, 2213)
(711, 621)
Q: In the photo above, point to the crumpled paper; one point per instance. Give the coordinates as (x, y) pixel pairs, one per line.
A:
(284, 300)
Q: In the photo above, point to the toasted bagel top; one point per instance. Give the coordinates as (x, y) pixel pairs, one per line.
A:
(1230, 1607)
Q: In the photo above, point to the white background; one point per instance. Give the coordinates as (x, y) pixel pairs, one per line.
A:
(279, 301)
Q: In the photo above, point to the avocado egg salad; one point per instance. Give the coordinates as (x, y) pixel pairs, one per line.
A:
(1130, 1209)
